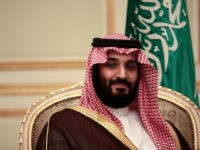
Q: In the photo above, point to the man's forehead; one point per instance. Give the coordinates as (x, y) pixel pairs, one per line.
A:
(121, 56)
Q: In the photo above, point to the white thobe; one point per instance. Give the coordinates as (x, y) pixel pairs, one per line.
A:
(134, 128)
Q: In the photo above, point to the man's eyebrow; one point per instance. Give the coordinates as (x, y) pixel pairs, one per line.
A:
(112, 59)
(132, 61)
(115, 59)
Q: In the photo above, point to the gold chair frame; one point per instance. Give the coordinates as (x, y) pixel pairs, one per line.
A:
(175, 108)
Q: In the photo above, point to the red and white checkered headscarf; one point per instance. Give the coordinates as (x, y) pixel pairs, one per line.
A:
(146, 102)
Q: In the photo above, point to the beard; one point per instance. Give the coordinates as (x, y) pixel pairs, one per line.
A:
(118, 99)
(115, 100)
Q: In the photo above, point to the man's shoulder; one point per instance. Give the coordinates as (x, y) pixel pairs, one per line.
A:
(65, 114)
(72, 116)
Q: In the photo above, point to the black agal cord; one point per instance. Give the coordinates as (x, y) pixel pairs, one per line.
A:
(99, 42)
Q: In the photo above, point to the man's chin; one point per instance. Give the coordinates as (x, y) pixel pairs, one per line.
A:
(119, 94)
(119, 100)
(116, 99)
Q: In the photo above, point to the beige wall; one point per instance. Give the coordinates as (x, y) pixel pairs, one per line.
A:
(44, 44)
(49, 28)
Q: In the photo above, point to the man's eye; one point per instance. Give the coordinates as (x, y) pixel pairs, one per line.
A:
(111, 65)
(131, 67)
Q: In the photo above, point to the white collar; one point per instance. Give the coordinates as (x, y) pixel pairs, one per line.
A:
(119, 112)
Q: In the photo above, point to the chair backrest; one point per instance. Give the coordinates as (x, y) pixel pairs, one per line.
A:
(175, 108)
(182, 113)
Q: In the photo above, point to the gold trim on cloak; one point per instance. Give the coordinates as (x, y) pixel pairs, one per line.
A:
(107, 124)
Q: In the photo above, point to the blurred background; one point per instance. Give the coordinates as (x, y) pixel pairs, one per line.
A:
(44, 45)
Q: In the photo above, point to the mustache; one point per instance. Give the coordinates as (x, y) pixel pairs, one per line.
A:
(120, 81)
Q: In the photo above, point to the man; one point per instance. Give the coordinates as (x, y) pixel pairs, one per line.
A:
(118, 107)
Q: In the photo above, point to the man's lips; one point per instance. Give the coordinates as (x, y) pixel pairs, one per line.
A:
(120, 85)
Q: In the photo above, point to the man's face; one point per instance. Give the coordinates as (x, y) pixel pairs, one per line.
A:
(117, 79)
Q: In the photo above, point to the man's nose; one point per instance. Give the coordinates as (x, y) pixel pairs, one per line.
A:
(122, 73)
